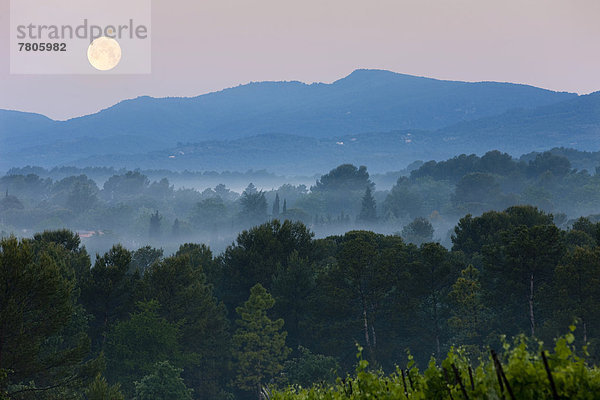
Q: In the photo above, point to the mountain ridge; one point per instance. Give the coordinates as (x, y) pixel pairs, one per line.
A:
(300, 101)
(365, 102)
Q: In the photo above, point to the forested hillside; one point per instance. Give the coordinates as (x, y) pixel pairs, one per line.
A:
(212, 293)
(279, 307)
(421, 203)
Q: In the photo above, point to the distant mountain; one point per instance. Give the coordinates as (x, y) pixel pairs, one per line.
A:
(291, 124)
(364, 101)
(573, 123)
(16, 126)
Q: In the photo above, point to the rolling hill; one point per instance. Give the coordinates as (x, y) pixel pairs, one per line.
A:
(573, 123)
(374, 117)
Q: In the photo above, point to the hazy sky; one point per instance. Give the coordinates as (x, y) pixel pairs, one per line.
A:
(205, 45)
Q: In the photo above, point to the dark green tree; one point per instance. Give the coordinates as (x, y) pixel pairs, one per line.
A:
(525, 257)
(253, 206)
(357, 287)
(187, 300)
(433, 274)
(472, 233)
(588, 227)
(344, 177)
(577, 284)
(258, 343)
(135, 345)
(342, 188)
(144, 257)
(66, 248)
(419, 231)
(108, 294)
(164, 382)
(201, 258)
(468, 312)
(308, 368)
(41, 348)
(256, 257)
(292, 287)
(99, 389)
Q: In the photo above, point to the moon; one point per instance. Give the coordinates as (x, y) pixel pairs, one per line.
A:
(104, 53)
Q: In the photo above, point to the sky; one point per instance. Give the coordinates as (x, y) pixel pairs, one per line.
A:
(208, 45)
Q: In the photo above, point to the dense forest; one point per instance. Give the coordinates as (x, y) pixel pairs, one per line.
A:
(137, 286)
(280, 307)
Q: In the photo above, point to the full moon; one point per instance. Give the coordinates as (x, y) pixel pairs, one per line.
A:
(104, 53)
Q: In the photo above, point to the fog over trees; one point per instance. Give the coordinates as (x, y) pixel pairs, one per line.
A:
(130, 208)
(279, 306)
(133, 288)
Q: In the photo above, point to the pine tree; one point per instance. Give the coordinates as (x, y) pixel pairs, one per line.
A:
(419, 231)
(293, 282)
(135, 345)
(368, 211)
(525, 258)
(164, 382)
(37, 296)
(253, 207)
(259, 342)
(179, 284)
(577, 283)
(433, 275)
(467, 308)
(276, 206)
(107, 293)
(284, 206)
(99, 389)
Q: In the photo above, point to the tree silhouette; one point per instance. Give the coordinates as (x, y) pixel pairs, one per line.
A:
(368, 211)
